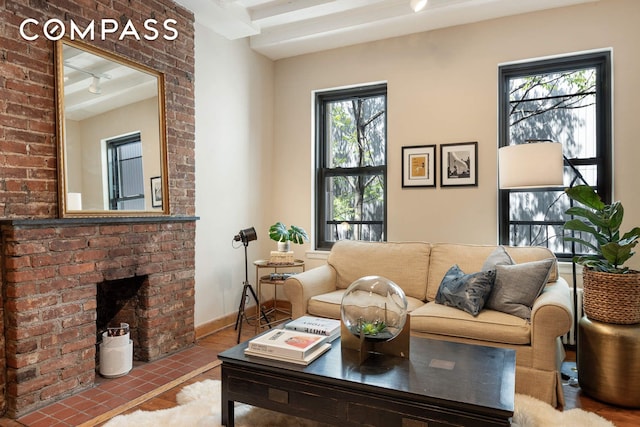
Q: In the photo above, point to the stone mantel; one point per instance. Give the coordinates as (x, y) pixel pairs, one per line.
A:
(62, 222)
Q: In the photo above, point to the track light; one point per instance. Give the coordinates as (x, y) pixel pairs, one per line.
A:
(94, 87)
(418, 5)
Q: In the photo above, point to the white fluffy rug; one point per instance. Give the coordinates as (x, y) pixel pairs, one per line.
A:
(199, 406)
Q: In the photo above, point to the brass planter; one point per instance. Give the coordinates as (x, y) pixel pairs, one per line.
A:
(612, 298)
(609, 362)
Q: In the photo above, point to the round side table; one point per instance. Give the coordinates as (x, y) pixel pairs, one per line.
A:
(608, 362)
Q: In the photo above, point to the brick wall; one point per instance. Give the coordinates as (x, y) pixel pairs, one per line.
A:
(28, 175)
(50, 266)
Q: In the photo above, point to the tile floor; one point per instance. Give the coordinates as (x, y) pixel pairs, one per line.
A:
(119, 394)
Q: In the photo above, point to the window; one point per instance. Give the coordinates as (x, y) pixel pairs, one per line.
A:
(126, 180)
(566, 100)
(351, 165)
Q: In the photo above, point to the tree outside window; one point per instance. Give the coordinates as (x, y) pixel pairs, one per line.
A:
(351, 165)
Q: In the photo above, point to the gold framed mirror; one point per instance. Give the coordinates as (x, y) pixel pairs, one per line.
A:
(112, 155)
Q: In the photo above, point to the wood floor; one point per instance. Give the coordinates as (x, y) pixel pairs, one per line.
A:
(226, 338)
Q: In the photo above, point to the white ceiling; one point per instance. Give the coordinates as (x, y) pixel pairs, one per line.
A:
(119, 84)
(284, 28)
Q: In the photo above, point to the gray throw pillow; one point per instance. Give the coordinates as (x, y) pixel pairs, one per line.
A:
(498, 257)
(467, 292)
(517, 286)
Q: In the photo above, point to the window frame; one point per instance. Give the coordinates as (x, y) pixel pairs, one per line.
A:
(601, 61)
(114, 169)
(322, 171)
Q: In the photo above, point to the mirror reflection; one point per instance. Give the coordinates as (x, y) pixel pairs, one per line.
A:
(111, 128)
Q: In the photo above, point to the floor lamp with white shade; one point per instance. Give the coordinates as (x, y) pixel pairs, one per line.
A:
(537, 164)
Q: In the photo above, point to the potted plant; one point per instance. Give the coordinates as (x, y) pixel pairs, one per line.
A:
(284, 236)
(611, 290)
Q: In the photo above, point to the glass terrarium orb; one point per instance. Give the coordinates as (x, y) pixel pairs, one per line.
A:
(375, 307)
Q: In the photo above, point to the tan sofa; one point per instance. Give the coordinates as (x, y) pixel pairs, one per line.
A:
(418, 268)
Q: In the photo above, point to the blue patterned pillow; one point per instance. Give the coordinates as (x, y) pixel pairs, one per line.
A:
(467, 292)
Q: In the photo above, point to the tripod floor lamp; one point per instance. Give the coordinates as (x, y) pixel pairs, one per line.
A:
(245, 236)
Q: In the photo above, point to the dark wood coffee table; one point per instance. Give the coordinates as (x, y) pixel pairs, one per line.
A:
(441, 384)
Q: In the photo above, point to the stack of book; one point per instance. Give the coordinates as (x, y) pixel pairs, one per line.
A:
(283, 258)
(316, 325)
(280, 276)
(288, 346)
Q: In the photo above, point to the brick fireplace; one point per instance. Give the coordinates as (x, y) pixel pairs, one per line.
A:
(52, 267)
(51, 272)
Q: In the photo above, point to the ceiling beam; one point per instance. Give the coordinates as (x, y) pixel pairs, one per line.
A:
(284, 28)
(227, 18)
(282, 7)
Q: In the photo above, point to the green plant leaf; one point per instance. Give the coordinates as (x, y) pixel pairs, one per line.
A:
(582, 242)
(592, 217)
(631, 235)
(297, 234)
(616, 254)
(581, 226)
(586, 195)
(587, 260)
(616, 215)
(278, 232)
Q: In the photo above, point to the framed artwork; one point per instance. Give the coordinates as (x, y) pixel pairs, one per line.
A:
(156, 192)
(419, 166)
(459, 164)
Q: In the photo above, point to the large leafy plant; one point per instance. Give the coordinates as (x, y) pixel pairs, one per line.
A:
(280, 233)
(603, 222)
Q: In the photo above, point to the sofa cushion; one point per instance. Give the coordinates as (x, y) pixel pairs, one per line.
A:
(517, 286)
(499, 256)
(488, 325)
(328, 305)
(472, 258)
(466, 292)
(521, 254)
(406, 263)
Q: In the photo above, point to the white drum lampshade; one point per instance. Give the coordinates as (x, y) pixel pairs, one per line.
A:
(532, 165)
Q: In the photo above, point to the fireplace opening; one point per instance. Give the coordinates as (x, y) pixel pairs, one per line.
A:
(118, 301)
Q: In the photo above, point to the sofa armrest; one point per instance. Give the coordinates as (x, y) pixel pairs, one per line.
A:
(302, 286)
(551, 317)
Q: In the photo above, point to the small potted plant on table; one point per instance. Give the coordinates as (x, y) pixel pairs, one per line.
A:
(279, 233)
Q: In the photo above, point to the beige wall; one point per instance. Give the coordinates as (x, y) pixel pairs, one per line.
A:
(254, 134)
(442, 88)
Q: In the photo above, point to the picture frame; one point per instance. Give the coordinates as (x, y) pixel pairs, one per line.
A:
(419, 166)
(156, 192)
(459, 164)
